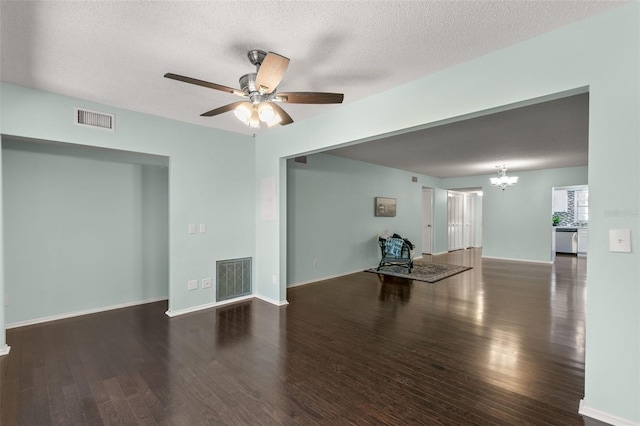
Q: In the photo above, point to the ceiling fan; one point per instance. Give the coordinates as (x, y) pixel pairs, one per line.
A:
(260, 92)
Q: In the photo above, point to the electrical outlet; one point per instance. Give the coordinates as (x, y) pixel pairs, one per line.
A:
(192, 284)
(206, 282)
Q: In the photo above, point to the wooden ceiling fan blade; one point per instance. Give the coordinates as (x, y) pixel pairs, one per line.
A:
(284, 117)
(309, 98)
(271, 72)
(205, 84)
(225, 108)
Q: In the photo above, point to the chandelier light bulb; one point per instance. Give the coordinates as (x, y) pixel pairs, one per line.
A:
(503, 181)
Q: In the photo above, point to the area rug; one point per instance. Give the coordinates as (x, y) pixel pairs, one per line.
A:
(429, 272)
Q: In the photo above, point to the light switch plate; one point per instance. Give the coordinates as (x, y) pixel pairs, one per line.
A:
(203, 228)
(192, 228)
(620, 240)
(192, 284)
(206, 282)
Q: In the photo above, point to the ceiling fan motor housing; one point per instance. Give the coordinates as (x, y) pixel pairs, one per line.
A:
(256, 57)
(248, 83)
(248, 86)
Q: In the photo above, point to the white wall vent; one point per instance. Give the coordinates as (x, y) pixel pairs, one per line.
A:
(97, 120)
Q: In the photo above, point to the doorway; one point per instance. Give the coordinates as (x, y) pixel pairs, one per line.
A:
(464, 218)
(427, 221)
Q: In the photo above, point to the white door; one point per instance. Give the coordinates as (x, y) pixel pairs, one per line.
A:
(468, 213)
(477, 220)
(427, 220)
(455, 215)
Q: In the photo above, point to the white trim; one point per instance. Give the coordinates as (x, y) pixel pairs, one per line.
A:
(329, 277)
(437, 254)
(546, 262)
(178, 312)
(5, 350)
(604, 417)
(272, 301)
(85, 312)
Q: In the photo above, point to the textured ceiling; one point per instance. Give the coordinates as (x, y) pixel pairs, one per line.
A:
(116, 52)
(541, 136)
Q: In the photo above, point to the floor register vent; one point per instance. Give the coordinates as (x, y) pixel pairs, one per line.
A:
(233, 278)
(100, 120)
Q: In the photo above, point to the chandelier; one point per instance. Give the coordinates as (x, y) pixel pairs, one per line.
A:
(503, 181)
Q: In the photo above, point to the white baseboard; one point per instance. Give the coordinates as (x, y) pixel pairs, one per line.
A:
(329, 277)
(5, 350)
(177, 312)
(546, 262)
(84, 312)
(272, 301)
(604, 417)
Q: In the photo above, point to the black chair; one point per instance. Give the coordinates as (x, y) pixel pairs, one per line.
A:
(402, 259)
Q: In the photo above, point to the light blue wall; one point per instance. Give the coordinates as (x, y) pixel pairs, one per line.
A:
(82, 234)
(601, 53)
(331, 217)
(155, 227)
(517, 221)
(211, 171)
(211, 178)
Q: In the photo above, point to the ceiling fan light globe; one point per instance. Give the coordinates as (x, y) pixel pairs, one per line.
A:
(266, 112)
(254, 121)
(243, 113)
(276, 120)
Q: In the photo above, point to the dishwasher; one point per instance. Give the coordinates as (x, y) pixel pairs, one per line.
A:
(566, 240)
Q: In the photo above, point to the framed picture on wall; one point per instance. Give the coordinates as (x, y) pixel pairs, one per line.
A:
(385, 207)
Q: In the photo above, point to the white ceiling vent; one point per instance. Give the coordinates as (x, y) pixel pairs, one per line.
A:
(98, 120)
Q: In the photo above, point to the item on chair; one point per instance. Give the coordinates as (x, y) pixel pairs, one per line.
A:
(394, 246)
(395, 251)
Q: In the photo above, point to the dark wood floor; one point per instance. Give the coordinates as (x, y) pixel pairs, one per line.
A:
(502, 343)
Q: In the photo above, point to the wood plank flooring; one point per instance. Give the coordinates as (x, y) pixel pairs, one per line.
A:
(500, 344)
